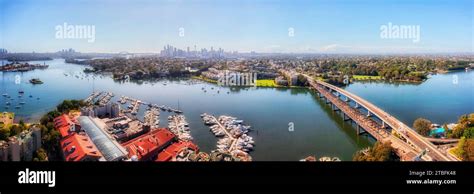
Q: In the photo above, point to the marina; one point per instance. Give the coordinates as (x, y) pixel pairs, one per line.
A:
(135, 103)
(321, 159)
(152, 117)
(106, 98)
(92, 96)
(259, 107)
(233, 135)
(178, 125)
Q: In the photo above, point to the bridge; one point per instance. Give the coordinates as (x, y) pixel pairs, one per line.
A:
(442, 141)
(407, 143)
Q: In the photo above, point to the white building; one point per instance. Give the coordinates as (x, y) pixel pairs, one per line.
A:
(291, 76)
(30, 141)
(21, 147)
(3, 151)
(15, 148)
(110, 110)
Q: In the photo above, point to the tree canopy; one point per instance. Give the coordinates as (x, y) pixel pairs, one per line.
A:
(422, 126)
(379, 152)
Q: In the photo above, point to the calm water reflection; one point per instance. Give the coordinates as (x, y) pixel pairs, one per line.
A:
(317, 130)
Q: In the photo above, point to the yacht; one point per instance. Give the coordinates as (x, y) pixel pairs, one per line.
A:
(325, 159)
(36, 81)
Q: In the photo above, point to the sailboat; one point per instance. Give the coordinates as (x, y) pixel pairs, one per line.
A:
(178, 110)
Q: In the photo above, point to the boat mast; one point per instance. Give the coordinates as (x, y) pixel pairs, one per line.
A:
(93, 86)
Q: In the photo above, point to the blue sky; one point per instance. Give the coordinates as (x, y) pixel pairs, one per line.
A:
(320, 26)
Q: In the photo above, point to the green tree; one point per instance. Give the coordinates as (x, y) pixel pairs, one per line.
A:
(463, 127)
(40, 155)
(459, 150)
(21, 122)
(379, 152)
(468, 133)
(471, 119)
(469, 150)
(51, 141)
(422, 126)
(302, 81)
(457, 132)
(15, 130)
(4, 133)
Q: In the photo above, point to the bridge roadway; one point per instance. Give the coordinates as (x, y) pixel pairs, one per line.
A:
(370, 126)
(413, 142)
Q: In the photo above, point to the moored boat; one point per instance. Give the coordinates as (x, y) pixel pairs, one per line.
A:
(36, 81)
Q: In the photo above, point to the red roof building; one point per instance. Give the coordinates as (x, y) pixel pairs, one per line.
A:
(174, 149)
(147, 146)
(79, 147)
(64, 125)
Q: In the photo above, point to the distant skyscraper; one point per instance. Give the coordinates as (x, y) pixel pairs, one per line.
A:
(170, 51)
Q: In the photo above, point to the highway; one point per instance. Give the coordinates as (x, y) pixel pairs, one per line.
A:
(414, 140)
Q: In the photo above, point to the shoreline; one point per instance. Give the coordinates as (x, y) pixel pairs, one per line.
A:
(275, 86)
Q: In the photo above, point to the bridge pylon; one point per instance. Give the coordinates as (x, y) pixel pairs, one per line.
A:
(345, 117)
(357, 105)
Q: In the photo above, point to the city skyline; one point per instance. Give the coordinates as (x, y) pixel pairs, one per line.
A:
(124, 90)
(262, 26)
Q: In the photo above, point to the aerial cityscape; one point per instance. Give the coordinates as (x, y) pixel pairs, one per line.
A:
(221, 81)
